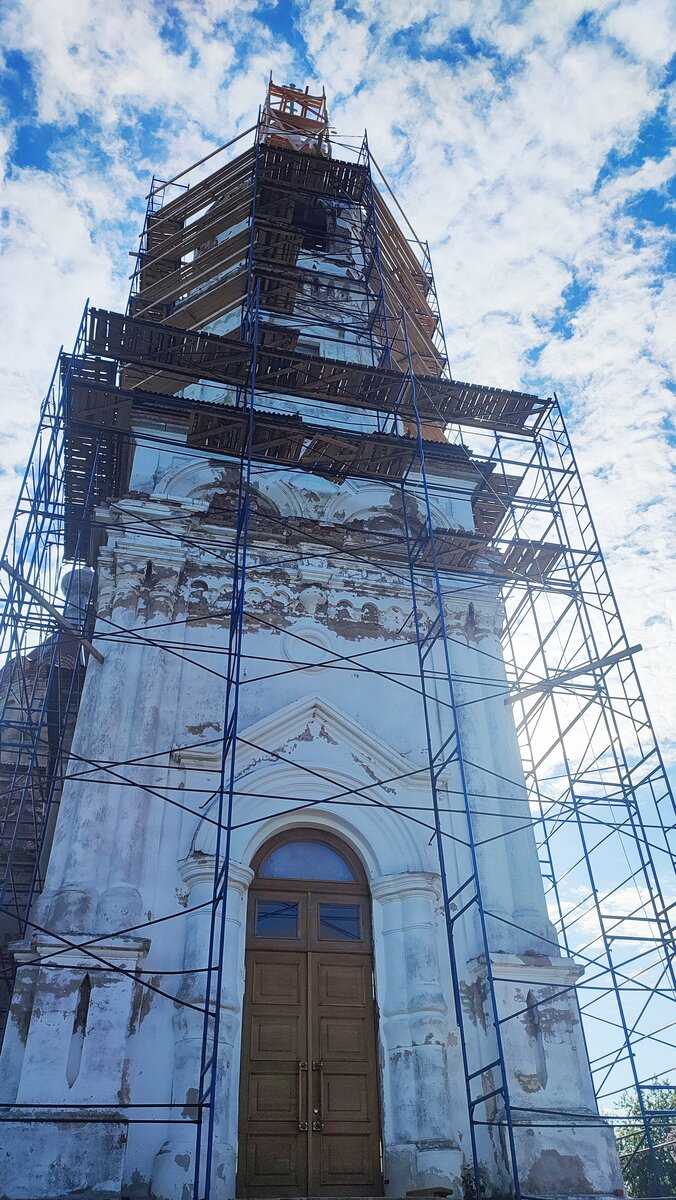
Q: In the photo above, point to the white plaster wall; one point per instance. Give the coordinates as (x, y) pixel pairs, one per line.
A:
(135, 843)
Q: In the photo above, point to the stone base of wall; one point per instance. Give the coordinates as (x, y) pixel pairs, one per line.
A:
(569, 1160)
(46, 1156)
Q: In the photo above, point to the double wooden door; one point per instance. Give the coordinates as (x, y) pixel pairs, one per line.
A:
(309, 1111)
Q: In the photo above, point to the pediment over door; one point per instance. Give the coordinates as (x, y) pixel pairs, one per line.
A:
(309, 764)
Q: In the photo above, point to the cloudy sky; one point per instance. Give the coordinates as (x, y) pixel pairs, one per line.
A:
(530, 142)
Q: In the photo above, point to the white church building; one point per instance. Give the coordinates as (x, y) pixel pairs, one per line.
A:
(294, 795)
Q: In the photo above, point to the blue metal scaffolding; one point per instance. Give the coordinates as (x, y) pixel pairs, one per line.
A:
(42, 661)
(598, 795)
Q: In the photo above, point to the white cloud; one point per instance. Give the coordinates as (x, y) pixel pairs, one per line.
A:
(111, 60)
(645, 30)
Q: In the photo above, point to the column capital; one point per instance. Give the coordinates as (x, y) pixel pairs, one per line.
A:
(239, 877)
(199, 868)
(409, 883)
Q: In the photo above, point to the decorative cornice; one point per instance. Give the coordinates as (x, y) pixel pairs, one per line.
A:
(83, 951)
(534, 969)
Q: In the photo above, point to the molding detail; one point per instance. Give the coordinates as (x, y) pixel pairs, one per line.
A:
(121, 951)
(536, 969)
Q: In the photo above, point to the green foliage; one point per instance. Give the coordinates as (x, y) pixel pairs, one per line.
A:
(646, 1174)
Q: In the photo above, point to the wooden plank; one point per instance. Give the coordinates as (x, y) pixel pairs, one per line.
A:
(195, 198)
(198, 356)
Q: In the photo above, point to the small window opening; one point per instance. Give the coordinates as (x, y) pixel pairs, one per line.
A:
(311, 219)
(308, 346)
(79, 1030)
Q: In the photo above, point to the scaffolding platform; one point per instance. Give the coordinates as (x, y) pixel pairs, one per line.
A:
(175, 358)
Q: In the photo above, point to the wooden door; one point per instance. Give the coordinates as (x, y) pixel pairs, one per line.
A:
(309, 1112)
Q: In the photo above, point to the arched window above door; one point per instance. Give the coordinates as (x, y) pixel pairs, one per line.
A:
(306, 859)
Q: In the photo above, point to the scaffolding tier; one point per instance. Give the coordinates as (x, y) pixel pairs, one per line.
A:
(173, 359)
(192, 265)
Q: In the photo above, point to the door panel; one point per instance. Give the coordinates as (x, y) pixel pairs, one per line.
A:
(272, 1097)
(273, 1093)
(344, 980)
(273, 1036)
(346, 1166)
(278, 978)
(343, 1030)
(341, 1038)
(275, 1165)
(309, 1110)
(345, 1097)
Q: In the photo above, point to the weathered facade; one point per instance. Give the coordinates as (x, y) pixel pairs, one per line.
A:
(357, 1053)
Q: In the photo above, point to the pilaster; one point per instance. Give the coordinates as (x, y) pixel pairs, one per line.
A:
(564, 1147)
(197, 872)
(423, 1121)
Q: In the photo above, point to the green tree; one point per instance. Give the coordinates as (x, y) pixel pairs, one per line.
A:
(647, 1174)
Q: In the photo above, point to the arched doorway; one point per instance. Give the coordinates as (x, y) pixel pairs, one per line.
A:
(309, 1122)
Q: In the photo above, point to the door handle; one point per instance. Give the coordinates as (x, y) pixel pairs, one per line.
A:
(318, 1066)
(302, 1125)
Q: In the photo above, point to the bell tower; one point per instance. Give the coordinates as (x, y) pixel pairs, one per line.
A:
(293, 919)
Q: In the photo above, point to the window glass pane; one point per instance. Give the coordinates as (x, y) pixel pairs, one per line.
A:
(341, 922)
(306, 860)
(276, 919)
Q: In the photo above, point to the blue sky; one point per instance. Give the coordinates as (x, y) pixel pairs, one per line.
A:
(530, 142)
